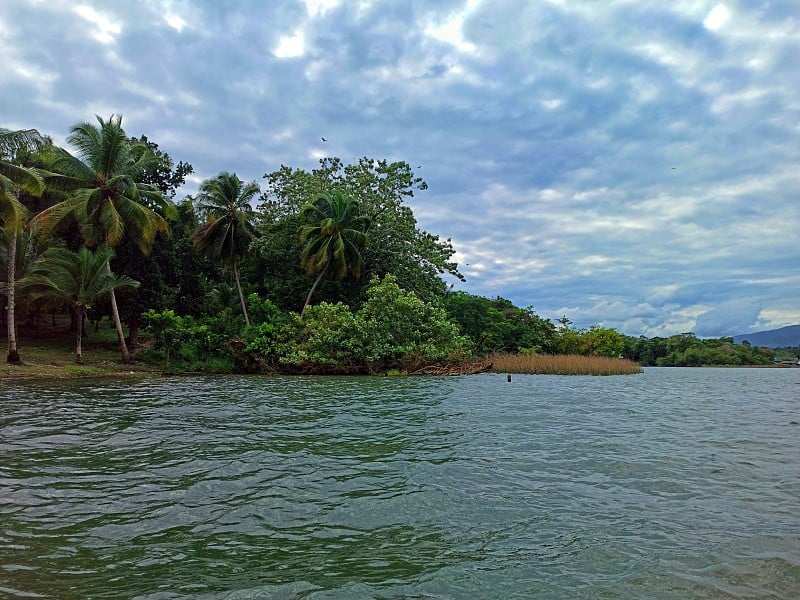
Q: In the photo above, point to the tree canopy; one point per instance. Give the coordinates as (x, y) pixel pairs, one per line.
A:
(395, 245)
(344, 234)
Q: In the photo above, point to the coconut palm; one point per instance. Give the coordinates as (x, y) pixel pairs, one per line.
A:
(223, 297)
(13, 214)
(105, 195)
(77, 278)
(335, 235)
(225, 236)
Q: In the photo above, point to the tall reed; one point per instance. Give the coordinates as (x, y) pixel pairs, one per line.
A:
(563, 364)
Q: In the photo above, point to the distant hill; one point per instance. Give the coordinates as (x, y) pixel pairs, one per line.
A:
(774, 338)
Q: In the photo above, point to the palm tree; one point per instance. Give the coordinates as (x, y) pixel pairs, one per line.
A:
(335, 234)
(77, 278)
(13, 214)
(106, 196)
(226, 235)
(222, 297)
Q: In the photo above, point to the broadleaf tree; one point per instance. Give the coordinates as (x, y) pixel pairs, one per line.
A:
(395, 245)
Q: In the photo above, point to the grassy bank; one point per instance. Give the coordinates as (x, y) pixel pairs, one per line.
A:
(546, 364)
(49, 353)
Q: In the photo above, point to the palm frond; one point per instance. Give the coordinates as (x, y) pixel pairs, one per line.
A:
(111, 222)
(87, 138)
(25, 179)
(44, 223)
(61, 162)
(77, 278)
(12, 212)
(105, 196)
(225, 203)
(335, 232)
(12, 141)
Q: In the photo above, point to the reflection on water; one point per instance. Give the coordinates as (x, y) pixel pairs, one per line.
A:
(678, 483)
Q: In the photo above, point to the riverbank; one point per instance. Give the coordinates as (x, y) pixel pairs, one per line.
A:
(50, 354)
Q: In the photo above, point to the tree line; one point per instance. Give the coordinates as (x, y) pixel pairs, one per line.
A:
(312, 271)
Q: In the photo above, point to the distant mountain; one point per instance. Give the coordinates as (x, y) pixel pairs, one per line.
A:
(774, 338)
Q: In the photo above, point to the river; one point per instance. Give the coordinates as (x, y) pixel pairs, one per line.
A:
(676, 483)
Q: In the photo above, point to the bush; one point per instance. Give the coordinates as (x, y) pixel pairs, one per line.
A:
(325, 334)
(401, 331)
(187, 344)
(393, 330)
(262, 311)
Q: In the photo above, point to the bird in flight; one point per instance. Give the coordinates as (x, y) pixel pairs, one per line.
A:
(323, 139)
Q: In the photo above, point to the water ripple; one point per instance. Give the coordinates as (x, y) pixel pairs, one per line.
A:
(679, 483)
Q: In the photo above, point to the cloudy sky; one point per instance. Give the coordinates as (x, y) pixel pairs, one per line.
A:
(630, 163)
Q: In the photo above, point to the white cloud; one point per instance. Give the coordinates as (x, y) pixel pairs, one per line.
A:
(105, 29)
(552, 103)
(717, 18)
(451, 30)
(320, 7)
(291, 46)
(175, 21)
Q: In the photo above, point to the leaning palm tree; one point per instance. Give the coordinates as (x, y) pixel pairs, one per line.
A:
(78, 279)
(335, 235)
(228, 230)
(13, 214)
(105, 194)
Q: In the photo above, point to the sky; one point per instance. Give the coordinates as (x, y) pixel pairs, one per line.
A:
(627, 163)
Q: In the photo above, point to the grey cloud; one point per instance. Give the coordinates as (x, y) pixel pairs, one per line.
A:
(728, 318)
(620, 162)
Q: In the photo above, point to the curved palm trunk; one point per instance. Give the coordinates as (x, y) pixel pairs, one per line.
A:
(316, 283)
(13, 354)
(126, 356)
(241, 296)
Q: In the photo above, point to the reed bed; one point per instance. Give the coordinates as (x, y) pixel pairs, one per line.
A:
(562, 364)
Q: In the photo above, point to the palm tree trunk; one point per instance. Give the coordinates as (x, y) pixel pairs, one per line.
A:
(316, 283)
(13, 353)
(133, 332)
(126, 356)
(241, 296)
(78, 347)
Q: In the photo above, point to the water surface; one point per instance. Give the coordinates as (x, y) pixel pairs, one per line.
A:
(677, 483)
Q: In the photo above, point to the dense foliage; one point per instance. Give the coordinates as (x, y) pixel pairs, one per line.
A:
(687, 350)
(321, 271)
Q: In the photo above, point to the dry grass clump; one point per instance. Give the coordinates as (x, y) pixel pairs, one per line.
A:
(562, 364)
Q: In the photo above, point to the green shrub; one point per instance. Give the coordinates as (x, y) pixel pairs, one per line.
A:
(401, 331)
(262, 311)
(325, 334)
(187, 344)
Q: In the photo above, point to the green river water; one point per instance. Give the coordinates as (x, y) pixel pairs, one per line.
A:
(674, 484)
